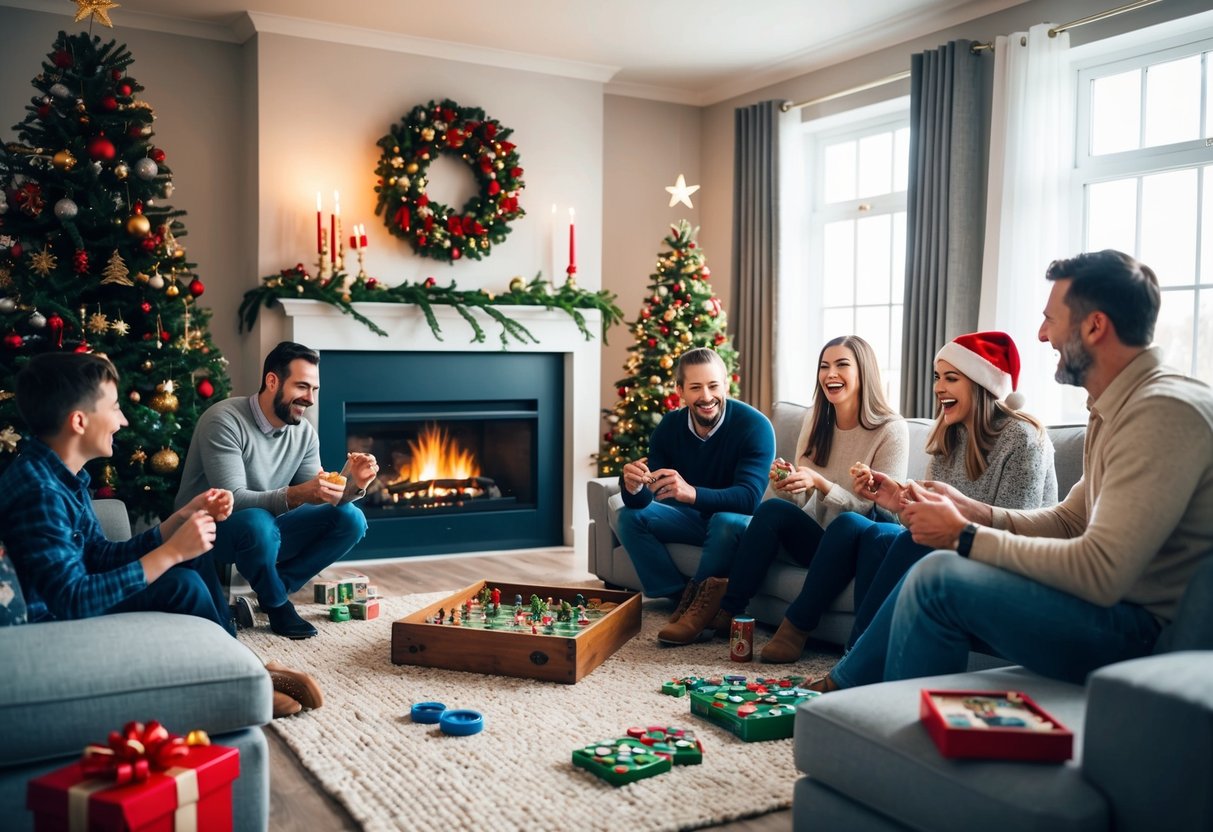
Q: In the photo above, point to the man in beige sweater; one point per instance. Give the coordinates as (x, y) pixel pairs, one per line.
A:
(1091, 581)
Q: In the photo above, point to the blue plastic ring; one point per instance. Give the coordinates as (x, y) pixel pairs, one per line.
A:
(427, 712)
(461, 723)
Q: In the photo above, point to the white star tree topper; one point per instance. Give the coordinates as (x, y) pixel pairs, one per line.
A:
(680, 191)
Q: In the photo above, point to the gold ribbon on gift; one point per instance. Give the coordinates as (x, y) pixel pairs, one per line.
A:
(77, 802)
(185, 819)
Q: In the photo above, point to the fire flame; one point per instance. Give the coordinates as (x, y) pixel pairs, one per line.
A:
(437, 457)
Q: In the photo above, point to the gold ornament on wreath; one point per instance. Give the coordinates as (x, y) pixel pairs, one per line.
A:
(435, 230)
(164, 400)
(165, 461)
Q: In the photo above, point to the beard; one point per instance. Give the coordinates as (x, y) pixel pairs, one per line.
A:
(1074, 361)
(705, 422)
(282, 408)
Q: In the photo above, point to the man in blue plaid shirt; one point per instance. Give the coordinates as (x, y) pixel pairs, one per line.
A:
(66, 567)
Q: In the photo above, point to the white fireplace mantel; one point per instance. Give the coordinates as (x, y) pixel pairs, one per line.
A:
(324, 327)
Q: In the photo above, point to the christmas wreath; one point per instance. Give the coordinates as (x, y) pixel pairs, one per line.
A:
(436, 230)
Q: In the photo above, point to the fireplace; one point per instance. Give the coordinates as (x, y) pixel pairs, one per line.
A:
(469, 446)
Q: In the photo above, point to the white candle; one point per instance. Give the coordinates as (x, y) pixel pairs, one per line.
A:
(555, 239)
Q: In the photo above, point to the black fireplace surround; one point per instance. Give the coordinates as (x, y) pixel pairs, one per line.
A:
(503, 410)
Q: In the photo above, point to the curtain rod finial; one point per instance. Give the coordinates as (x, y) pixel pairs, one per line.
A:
(785, 106)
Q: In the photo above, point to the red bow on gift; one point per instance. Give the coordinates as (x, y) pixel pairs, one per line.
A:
(132, 754)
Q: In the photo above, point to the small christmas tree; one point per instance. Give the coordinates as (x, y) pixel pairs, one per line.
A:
(681, 313)
(90, 261)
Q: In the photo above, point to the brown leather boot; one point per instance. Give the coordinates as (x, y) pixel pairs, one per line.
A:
(688, 595)
(284, 705)
(703, 608)
(722, 624)
(786, 645)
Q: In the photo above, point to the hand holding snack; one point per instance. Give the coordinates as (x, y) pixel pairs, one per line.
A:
(780, 470)
(636, 474)
(880, 488)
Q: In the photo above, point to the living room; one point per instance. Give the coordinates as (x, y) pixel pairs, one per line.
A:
(272, 118)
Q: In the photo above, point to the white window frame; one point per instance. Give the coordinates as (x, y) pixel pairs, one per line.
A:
(886, 116)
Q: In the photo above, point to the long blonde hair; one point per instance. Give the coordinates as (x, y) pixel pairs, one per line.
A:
(987, 418)
(874, 409)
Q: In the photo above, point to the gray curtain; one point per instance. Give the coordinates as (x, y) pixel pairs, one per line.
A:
(945, 212)
(755, 247)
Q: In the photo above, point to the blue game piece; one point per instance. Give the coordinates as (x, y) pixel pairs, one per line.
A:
(461, 723)
(427, 712)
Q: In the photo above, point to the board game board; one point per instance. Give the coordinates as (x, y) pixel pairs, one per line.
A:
(620, 761)
(762, 709)
(545, 635)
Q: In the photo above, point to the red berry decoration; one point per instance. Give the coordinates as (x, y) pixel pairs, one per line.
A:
(125, 89)
(109, 103)
(371, 283)
(80, 261)
(429, 282)
(146, 307)
(100, 149)
(62, 59)
(197, 287)
(16, 251)
(13, 341)
(205, 388)
(456, 254)
(157, 155)
(652, 343)
(83, 347)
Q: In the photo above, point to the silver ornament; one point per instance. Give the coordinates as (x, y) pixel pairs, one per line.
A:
(168, 189)
(7, 305)
(37, 320)
(65, 209)
(60, 91)
(156, 281)
(122, 170)
(146, 168)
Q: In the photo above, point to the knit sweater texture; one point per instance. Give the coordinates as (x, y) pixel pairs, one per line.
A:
(1019, 468)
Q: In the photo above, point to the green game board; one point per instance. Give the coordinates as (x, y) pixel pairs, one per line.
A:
(511, 619)
(679, 744)
(764, 709)
(620, 761)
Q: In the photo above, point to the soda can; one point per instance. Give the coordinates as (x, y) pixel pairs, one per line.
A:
(741, 639)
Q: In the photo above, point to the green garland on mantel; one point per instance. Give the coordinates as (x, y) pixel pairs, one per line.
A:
(298, 284)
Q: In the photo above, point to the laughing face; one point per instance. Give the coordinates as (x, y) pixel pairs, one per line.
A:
(704, 390)
(297, 392)
(1064, 334)
(103, 422)
(954, 392)
(838, 375)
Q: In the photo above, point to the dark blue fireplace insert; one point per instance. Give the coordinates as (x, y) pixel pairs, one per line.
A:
(470, 447)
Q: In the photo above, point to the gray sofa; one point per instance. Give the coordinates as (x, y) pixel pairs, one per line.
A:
(70, 683)
(1143, 749)
(610, 562)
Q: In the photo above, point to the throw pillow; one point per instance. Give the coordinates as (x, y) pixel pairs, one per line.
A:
(12, 602)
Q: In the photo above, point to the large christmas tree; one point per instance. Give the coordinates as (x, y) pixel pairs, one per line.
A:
(680, 313)
(91, 260)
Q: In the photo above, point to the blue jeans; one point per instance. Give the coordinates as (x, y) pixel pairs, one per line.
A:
(776, 523)
(947, 605)
(644, 532)
(278, 555)
(190, 588)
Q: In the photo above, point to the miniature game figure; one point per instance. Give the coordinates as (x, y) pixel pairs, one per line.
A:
(566, 612)
(496, 599)
(451, 619)
(484, 597)
(534, 629)
(536, 608)
(517, 605)
(582, 618)
(579, 600)
(440, 616)
(467, 608)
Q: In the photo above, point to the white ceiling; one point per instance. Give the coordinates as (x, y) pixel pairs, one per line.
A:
(694, 51)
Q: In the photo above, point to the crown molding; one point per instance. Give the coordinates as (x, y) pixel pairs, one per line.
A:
(653, 92)
(138, 20)
(262, 22)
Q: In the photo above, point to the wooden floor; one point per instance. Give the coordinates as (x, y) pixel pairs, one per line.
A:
(299, 804)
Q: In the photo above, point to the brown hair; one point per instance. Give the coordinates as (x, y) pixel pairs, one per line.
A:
(986, 420)
(874, 409)
(699, 355)
(55, 384)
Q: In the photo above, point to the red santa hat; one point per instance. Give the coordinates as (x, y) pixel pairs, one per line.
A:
(989, 359)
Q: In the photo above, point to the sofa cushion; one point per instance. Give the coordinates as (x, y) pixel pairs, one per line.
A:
(12, 601)
(71, 682)
(868, 745)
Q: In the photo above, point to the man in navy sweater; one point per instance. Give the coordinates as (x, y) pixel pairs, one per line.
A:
(704, 476)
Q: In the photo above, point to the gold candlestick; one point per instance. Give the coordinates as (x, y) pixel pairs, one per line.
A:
(324, 270)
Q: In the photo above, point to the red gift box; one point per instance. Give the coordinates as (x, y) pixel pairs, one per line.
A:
(193, 795)
(993, 725)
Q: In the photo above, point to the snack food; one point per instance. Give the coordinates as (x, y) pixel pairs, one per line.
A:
(334, 477)
(782, 469)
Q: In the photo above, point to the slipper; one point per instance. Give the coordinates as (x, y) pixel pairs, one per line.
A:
(285, 705)
(295, 683)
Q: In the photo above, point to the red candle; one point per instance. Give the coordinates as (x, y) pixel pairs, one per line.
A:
(333, 238)
(572, 246)
(319, 227)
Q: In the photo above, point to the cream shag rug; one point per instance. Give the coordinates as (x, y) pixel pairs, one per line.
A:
(392, 773)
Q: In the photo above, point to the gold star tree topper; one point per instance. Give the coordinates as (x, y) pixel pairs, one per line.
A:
(680, 191)
(98, 9)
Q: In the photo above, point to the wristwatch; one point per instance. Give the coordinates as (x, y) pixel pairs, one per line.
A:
(965, 541)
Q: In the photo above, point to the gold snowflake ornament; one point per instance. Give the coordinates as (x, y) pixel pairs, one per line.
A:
(43, 262)
(98, 323)
(98, 9)
(120, 326)
(9, 439)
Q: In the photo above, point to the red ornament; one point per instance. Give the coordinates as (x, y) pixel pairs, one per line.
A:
(157, 155)
(146, 307)
(371, 283)
(109, 103)
(105, 492)
(80, 261)
(608, 436)
(677, 287)
(706, 272)
(100, 149)
(652, 343)
(736, 377)
(13, 341)
(62, 59)
(16, 251)
(665, 330)
(719, 338)
(83, 347)
(164, 335)
(456, 254)
(44, 110)
(55, 323)
(125, 88)
(622, 391)
(196, 287)
(672, 402)
(205, 388)
(429, 282)
(116, 74)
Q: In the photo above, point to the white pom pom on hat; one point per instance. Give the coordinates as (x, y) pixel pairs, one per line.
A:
(989, 359)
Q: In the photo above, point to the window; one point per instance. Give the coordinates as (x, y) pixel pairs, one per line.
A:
(857, 234)
(1144, 166)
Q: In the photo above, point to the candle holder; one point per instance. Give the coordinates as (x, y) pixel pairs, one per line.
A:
(339, 261)
(361, 271)
(324, 267)
(571, 280)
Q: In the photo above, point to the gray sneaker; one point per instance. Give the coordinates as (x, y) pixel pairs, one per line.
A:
(242, 612)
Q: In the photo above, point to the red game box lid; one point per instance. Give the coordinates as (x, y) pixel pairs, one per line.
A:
(993, 725)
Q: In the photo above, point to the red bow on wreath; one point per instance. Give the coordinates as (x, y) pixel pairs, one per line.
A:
(402, 218)
(130, 755)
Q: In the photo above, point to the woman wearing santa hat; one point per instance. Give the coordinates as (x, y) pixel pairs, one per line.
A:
(981, 444)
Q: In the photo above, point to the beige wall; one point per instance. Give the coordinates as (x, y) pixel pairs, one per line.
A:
(196, 88)
(646, 144)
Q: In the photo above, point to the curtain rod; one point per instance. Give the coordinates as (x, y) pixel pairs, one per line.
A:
(900, 76)
(1074, 24)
